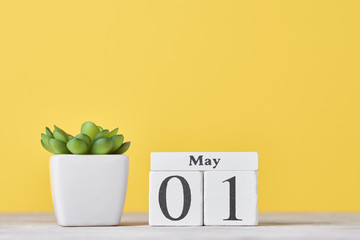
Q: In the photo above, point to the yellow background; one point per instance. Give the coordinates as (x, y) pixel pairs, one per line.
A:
(278, 77)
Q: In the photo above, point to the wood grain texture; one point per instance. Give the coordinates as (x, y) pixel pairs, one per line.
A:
(134, 226)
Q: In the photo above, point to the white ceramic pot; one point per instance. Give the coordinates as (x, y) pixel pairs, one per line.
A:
(88, 190)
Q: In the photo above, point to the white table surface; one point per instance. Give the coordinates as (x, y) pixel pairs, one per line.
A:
(134, 226)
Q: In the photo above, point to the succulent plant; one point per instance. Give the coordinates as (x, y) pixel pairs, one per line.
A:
(93, 139)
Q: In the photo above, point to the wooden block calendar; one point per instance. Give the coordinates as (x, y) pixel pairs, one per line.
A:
(203, 188)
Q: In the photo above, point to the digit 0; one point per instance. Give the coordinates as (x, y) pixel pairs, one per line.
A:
(186, 193)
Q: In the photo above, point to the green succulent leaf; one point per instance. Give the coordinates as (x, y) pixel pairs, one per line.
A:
(113, 132)
(102, 134)
(100, 128)
(102, 146)
(60, 136)
(84, 137)
(45, 143)
(45, 138)
(118, 141)
(90, 129)
(47, 148)
(123, 148)
(60, 130)
(58, 146)
(70, 136)
(48, 132)
(77, 146)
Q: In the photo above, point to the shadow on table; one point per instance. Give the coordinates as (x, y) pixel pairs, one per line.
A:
(134, 219)
(136, 223)
(144, 223)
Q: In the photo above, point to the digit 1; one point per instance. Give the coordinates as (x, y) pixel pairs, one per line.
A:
(232, 188)
(187, 198)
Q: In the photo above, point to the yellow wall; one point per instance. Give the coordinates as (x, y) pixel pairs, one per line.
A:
(278, 77)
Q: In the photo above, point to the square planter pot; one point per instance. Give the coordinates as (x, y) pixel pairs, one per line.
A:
(88, 190)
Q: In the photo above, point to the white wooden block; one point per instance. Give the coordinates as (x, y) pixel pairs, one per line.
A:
(204, 161)
(176, 198)
(230, 198)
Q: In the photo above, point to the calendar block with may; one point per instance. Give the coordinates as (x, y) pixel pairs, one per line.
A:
(227, 188)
